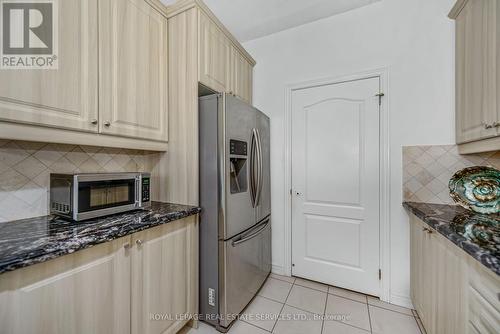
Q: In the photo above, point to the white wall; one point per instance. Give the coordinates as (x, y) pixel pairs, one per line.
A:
(414, 39)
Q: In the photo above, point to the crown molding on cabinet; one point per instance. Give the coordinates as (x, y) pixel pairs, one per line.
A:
(27, 132)
(184, 5)
(158, 6)
(459, 5)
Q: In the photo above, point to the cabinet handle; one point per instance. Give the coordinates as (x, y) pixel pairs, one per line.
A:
(126, 246)
(496, 124)
(139, 242)
(428, 230)
(93, 122)
(107, 124)
(488, 126)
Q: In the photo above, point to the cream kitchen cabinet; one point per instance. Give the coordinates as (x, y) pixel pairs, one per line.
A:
(164, 277)
(214, 55)
(84, 292)
(143, 283)
(242, 76)
(477, 74)
(133, 69)
(186, 45)
(452, 292)
(223, 64)
(111, 84)
(66, 97)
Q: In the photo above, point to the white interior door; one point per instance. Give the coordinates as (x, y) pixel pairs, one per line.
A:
(335, 180)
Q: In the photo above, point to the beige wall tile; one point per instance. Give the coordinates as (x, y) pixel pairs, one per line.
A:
(25, 169)
(428, 169)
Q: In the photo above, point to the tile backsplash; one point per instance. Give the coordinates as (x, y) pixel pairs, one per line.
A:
(25, 168)
(427, 170)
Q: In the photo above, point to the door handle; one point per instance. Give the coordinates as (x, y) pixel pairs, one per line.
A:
(251, 236)
(253, 149)
(259, 169)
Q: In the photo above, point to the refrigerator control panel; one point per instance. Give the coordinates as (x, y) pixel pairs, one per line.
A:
(237, 147)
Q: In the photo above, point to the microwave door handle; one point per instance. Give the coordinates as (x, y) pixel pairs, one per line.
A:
(137, 195)
(251, 236)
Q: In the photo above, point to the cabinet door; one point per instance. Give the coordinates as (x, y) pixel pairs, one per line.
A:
(450, 287)
(164, 277)
(428, 284)
(243, 71)
(214, 56)
(133, 70)
(495, 36)
(475, 75)
(416, 263)
(65, 97)
(84, 292)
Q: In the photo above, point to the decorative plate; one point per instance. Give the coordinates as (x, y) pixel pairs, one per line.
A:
(477, 189)
(481, 229)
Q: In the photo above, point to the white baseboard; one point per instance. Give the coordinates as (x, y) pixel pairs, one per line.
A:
(399, 300)
(278, 270)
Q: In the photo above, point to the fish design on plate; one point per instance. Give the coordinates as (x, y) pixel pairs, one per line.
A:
(477, 189)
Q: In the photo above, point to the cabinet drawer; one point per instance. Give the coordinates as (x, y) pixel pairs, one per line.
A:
(483, 316)
(485, 285)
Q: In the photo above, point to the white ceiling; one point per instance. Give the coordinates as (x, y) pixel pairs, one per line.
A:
(251, 19)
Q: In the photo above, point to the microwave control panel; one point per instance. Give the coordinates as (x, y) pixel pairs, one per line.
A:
(145, 189)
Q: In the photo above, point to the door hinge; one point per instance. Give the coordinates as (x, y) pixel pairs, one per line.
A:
(380, 96)
(290, 192)
(380, 274)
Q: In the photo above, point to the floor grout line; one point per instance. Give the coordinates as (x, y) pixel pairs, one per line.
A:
(388, 309)
(350, 325)
(369, 317)
(354, 300)
(282, 307)
(283, 280)
(414, 314)
(246, 322)
(324, 314)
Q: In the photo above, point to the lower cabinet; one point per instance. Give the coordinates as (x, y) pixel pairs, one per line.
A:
(143, 283)
(164, 277)
(452, 292)
(84, 292)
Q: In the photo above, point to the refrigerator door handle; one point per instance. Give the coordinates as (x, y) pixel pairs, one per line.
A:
(253, 151)
(260, 170)
(241, 240)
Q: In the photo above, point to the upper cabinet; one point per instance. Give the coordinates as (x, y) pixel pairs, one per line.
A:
(133, 69)
(110, 87)
(242, 77)
(223, 64)
(477, 75)
(214, 55)
(65, 97)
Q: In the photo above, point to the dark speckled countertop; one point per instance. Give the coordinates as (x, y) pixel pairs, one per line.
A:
(35, 240)
(476, 234)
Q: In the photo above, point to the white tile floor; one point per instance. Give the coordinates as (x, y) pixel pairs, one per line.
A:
(294, 305)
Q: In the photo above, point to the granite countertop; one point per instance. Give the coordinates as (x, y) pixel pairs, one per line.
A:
(35, 240)
(476, 234)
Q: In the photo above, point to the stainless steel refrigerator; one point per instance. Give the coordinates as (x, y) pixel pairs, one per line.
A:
(235, 196)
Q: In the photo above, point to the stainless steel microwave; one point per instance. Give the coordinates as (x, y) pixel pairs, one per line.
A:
(85, 196)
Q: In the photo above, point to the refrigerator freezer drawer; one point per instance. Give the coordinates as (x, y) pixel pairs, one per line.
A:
(247, 263)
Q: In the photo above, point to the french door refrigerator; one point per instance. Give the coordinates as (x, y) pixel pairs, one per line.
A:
(235, 227)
